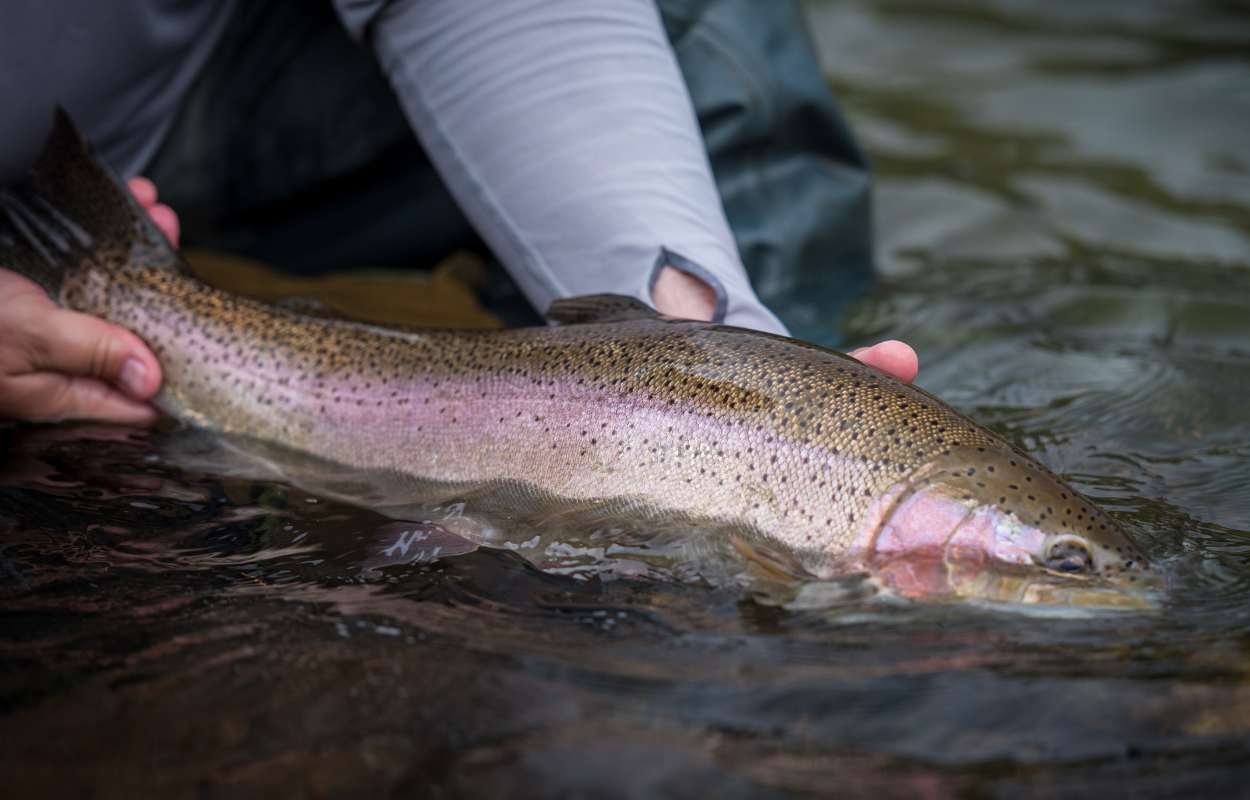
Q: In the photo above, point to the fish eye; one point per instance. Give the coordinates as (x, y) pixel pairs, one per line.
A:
(1070, 556)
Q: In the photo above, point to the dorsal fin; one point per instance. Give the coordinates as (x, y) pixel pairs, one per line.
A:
(598, 308)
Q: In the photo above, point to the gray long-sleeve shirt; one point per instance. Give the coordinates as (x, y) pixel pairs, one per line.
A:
(563, 128)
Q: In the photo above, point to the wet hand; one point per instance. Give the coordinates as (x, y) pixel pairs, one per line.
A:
(61, 364)
(679, 294)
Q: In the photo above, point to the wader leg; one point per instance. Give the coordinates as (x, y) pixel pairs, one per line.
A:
(292, 148)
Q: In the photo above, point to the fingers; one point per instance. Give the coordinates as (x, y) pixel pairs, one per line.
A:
(73, 343)
(162, 215)
(167, 220)
(58, 364)
(894, 358)
(53, 396)
(143, 190)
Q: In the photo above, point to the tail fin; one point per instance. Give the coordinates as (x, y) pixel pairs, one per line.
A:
(68, 207)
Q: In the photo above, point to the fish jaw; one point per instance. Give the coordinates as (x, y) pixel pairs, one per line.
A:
(938, 542)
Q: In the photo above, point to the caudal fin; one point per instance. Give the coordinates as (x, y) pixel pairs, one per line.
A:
(69, 206)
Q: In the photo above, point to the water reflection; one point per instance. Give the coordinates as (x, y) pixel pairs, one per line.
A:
(1064, 215)
(213, 631)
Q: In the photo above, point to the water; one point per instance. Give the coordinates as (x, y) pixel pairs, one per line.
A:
(1064, 212)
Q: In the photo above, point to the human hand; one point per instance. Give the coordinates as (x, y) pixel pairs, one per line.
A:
(61, 364)
(680, 294)
(894, 358)
(164, 216)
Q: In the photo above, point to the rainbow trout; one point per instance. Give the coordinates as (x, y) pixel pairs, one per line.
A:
(808, 460)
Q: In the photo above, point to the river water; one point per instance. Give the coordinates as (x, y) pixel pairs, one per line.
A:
(1063, 211)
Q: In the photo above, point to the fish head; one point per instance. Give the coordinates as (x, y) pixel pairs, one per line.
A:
(994, 524)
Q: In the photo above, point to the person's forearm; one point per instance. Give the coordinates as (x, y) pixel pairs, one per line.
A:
(565, 132)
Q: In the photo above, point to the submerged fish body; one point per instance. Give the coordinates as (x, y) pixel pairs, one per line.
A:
(815, 463)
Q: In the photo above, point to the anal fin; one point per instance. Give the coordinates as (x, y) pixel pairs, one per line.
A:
(412, 542)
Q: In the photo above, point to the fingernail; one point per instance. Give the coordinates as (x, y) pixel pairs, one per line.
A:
(131, 377)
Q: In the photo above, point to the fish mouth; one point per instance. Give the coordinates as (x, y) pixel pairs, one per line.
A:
(939, 542)
(970, 576)
(1010, 583)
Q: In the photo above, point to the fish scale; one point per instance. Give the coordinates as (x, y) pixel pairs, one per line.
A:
(799, 450)
(634, 412)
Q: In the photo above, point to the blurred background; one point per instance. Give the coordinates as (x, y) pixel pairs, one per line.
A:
(1063, 224)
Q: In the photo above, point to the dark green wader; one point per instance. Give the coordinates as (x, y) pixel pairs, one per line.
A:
(291, 148)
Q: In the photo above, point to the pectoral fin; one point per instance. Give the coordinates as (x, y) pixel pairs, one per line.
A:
(771, 563)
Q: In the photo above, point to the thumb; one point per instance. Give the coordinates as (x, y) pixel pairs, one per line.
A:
(61, 364)
(81, 345)
(56, 363)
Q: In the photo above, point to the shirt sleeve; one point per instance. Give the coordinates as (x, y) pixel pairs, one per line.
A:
(565, 131)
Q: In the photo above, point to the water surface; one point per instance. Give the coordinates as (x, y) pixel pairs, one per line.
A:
(1064, 216)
